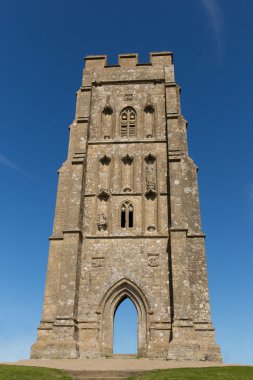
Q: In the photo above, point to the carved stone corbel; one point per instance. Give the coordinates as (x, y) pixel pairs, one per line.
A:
(103, 194)
(150, 158)
(149, 108)
(105, 160)
(127, 160)
(108, 108)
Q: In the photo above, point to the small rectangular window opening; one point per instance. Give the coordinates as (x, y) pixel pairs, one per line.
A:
(131, 219)
(123, 219)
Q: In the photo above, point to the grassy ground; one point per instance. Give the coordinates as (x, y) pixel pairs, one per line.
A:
(215, 373)
(11, 372)
(14, 372)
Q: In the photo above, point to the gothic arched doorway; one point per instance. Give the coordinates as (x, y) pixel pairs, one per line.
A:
(125, 328)
(115, 295)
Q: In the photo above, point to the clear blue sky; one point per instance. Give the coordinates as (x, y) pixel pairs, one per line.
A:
(42, 46)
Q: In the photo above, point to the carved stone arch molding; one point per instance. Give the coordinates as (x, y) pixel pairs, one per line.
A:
(121, 290)
(117, 278)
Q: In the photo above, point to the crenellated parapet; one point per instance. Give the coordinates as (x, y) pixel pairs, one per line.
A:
(128, 60)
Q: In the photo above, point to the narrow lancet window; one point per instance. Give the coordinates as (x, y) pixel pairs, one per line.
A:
(131, 219)
(123, 218)
(127, 215)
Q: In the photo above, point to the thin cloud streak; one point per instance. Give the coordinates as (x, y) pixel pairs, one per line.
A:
(5, 161)
(9, 164)
(251, 192)
(215, 17)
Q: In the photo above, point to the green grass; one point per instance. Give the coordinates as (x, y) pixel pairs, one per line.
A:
(212, 373)
(14, 372)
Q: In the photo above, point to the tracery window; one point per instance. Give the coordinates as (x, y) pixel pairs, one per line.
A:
(128, 122)
(127, 215)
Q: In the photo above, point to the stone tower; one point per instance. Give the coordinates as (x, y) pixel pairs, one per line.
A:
(127, 221)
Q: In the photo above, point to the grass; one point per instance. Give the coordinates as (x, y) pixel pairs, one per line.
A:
(211, 373)
(15, 372)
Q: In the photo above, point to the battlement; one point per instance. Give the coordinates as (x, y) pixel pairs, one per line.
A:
(163, 58)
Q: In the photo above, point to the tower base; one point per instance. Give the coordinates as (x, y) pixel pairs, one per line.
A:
(190, 343)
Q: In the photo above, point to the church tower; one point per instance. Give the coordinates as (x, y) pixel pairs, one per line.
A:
(127, 221)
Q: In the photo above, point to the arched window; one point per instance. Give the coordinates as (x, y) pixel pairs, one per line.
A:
(127, 215)
(128, 122)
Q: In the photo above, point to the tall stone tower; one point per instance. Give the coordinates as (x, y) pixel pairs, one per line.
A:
(127, 221)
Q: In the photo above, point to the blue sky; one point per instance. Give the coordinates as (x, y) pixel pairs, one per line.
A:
(42, 47)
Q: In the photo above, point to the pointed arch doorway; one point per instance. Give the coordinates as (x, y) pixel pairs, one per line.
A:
(125, 328)
(122, 290)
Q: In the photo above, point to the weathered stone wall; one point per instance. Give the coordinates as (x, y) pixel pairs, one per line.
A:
(127, 221)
